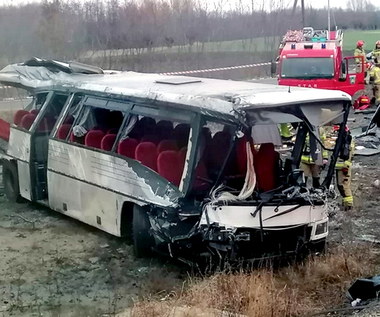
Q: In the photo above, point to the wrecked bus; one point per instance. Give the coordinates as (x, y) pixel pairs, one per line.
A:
(170, 161)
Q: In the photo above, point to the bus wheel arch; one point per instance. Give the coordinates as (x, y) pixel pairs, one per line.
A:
(135, 227)
(10, 181)
(143, 241)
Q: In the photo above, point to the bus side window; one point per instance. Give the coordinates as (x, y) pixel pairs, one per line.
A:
(156, 143)
(96, 127)
(25, 118)
(52, 113)
(65, 128)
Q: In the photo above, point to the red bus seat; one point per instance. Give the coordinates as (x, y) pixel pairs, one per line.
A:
(107, 142)
(266, 167)
(150, 138)
(27, 121)
(94, 138)
(167, 145)
(69, 119)
(146, 153)
(63, 131)
(19, 115)
(170, 167)
(218, 151)
(127, 147)
(5, 128)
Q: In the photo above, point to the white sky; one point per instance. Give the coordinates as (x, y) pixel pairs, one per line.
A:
(243, 3)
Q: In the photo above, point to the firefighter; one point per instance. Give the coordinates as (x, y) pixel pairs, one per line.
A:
(343, 172)
(311, 160)
(285, 131)
(374, 76)
(359, 51)
(375, 54)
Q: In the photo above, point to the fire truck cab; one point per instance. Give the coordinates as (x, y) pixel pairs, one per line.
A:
(314, 58)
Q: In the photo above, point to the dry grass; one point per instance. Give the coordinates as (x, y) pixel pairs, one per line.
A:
(299, 290)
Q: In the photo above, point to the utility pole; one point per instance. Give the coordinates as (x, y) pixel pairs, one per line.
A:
(328, 19)
(302, 10)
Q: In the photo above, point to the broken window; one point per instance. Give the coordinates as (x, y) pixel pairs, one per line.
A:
(157, 143)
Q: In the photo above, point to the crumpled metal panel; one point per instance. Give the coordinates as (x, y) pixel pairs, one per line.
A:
(208, 96)
(19, 144)
(124, 176)
(241, 216)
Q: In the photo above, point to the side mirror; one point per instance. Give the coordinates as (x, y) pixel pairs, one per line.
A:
(343, 71)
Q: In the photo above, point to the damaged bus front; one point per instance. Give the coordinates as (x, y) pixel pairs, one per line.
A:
(188, 167)
(270, 212)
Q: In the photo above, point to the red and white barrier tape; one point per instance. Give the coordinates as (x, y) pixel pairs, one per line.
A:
(216, 69)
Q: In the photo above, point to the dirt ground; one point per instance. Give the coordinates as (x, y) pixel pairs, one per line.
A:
(51, 265)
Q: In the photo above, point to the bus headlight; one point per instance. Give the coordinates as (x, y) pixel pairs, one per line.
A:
(321, 228)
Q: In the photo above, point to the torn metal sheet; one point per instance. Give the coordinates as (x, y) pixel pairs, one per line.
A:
(365, 288)
(206, 96)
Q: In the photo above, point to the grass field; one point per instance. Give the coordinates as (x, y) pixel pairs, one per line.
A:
(258, 45)
(352, 36)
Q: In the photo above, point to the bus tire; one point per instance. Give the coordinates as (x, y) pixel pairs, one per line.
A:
(10, 182)
(142, 240)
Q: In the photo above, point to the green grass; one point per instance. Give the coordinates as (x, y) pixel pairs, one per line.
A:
(255, 45)
(352, 36)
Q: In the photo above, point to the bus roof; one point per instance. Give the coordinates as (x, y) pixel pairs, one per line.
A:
(203, 95)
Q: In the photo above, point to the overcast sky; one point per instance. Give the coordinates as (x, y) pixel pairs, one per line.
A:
(245, 3)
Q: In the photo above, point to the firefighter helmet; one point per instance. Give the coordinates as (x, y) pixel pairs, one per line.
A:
(359, 43)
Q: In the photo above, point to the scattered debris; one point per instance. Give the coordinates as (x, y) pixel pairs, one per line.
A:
(356, 302)
(366, 288)
(93, 260)
(376, 183)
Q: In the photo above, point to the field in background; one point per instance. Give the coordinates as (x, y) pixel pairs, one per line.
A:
(352, 36)
(210, 55)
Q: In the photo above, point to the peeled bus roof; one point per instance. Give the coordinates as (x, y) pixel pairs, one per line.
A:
(198, 94)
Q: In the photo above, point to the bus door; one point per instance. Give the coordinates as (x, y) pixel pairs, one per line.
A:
(20, 144)
(46, 118)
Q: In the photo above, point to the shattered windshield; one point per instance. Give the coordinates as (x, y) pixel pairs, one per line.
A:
(307, 67)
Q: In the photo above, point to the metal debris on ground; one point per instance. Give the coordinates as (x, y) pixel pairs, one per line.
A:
(365, 288)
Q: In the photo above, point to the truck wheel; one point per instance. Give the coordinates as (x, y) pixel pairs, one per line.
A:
(10, 182)
(142, 240)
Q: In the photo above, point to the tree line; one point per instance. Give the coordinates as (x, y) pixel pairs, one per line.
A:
(67, 29)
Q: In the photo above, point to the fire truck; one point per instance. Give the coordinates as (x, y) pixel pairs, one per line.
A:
(314, 58)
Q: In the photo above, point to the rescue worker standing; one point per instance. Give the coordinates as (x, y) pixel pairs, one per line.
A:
(343, 172)
(313, 159)
(359, 51)
(375, 54)
(374, 78)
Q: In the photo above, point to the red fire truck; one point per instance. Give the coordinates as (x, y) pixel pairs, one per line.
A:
(314, 58)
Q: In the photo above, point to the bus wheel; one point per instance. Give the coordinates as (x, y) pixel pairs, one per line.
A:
(142, 240)
(10, 182)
